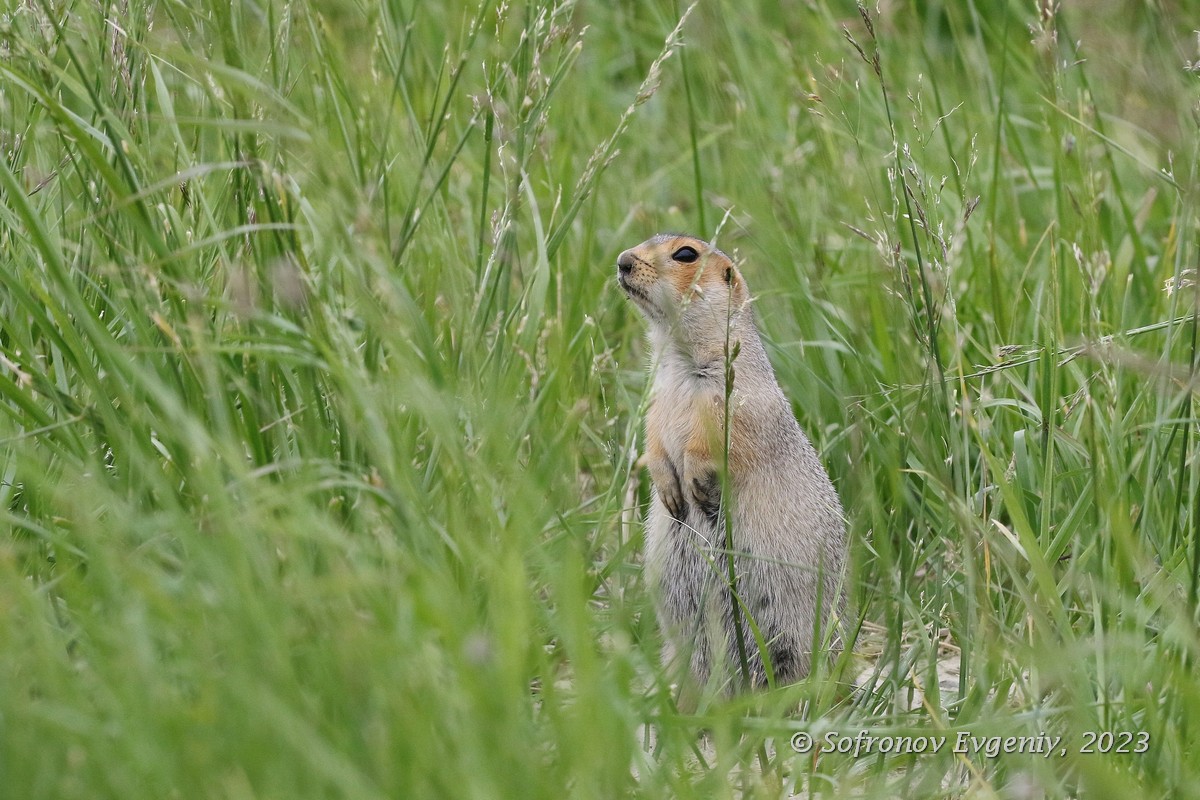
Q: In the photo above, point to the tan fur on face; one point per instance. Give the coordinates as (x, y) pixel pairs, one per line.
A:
(713, 272)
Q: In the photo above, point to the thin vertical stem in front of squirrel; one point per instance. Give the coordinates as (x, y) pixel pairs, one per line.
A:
(726, 507)
(735, 608)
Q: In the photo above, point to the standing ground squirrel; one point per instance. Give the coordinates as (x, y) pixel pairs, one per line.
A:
(788, 531)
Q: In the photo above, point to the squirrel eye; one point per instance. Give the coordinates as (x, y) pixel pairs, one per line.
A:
(685, 255)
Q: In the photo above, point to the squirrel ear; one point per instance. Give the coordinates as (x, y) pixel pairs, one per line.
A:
(729, 274)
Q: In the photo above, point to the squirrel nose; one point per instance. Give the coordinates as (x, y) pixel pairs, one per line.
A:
(625, 262)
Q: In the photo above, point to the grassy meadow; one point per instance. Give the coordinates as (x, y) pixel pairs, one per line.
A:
(321, 407)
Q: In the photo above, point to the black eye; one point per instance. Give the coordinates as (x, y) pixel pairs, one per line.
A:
(685, 255)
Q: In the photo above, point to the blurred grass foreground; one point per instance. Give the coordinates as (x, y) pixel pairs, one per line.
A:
(321, 411)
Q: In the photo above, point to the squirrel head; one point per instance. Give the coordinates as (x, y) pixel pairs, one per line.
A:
(684, 287)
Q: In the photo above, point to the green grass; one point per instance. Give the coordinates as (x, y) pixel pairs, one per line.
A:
(321, 409)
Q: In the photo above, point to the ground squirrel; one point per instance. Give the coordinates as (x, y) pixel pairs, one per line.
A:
(788, 531)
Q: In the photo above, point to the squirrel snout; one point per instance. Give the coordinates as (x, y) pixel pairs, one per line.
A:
(625, 262)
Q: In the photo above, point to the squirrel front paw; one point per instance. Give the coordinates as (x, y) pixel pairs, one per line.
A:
(666, 482)
(704, 489)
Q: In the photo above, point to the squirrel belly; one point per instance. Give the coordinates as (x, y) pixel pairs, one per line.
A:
(787, 530)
